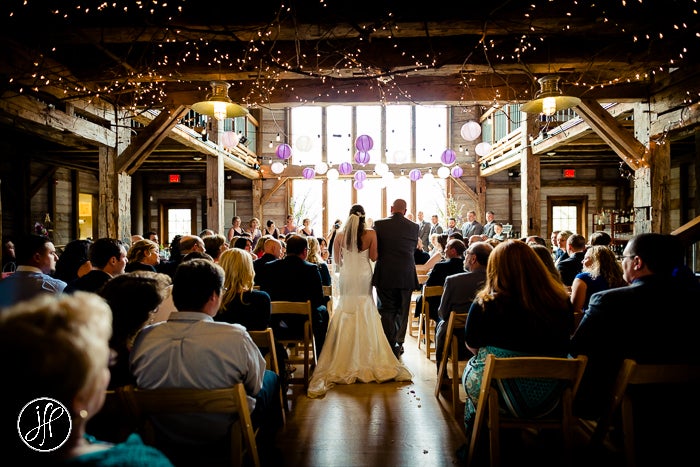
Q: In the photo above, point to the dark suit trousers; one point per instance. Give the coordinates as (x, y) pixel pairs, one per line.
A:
(393, 305)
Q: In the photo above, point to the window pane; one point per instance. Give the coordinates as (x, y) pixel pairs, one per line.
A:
(339, 134)
(369, 197)
(564, 218)
(306, 202)
(398, 134)
(179, 222)
(430, 197)
(306, 135)
(431, 133)
(400, 187)
(339, 200)
(369, 122)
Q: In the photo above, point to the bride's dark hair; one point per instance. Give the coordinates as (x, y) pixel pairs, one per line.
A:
(354, 227)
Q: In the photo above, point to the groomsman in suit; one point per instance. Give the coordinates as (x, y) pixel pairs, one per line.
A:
(452, 226)
(394, 275)
(490, 224)
(423, 231)
(435, 228)
(472, 226)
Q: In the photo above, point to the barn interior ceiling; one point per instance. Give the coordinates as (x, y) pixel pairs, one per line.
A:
(149, 54)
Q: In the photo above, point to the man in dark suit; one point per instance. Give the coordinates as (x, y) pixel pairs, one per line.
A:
(108, 258)
(395, 276)
(423, 231)
(458, 293)
(573, 264)
(296, 280)
(452, 264)
(653, 320)
(272, 250)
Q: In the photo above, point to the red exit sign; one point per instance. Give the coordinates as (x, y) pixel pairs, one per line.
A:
(174, 178)
(569, 173)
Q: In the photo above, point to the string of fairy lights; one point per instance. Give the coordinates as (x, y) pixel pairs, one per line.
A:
(139, 83)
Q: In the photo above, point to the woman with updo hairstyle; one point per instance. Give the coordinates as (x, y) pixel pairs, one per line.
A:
(74, 262)
(143, 256)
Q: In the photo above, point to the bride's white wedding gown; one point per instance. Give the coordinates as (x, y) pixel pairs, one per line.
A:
(356, 348)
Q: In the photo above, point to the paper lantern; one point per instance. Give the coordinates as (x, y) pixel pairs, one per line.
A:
(429, 176)
(381, 168)
(362, 157)
(321, 168)
(448, 157)
(415, 175)
(332, 174)
(443, 172)
(277, 167)
(360, 176)
(457, 171)
(345, 168)
(358, 184)
(304, 143)
(364, 143)
(400, 157)
(284, 151)
(482, 148)
(308, 173)
(389, 176)
(470, 131)
(230, 139)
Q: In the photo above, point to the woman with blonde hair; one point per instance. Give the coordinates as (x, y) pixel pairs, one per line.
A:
(521, 310)
(601, 271)
(144, 255)
(314, 256)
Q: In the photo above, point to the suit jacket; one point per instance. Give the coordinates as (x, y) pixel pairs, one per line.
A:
(644, 321)
(488, 229)
(459, 292)
(472, 228)
(437, 276)
(569, 267)
(292, 279)
(258, 263)
(90, 282)
(395, 268)
(424, 234)
(437, 228)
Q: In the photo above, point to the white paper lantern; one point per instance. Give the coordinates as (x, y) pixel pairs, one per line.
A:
(443, 172)
(389, 176)
(304, 143)
(470, 130)
(482, 148)
(321, 168)
(429, 176)
(381, 168)
(400, 157)
(332, 174)
(277, 167)
(230, 139)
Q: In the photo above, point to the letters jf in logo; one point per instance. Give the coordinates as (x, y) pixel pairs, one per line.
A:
(44, 424)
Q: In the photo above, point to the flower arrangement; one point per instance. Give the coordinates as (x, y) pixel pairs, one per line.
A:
(43, 229)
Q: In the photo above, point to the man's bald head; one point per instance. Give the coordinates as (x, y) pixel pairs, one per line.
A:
(273, 247)
(399, 206)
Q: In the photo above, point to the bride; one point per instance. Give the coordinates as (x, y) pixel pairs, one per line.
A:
(356, 348)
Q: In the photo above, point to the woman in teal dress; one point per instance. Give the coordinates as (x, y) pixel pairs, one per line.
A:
(55, 348)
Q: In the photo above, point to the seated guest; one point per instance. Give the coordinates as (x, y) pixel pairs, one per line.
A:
(452, 264)
(295, 279)
(108, 258)
(546, 257)
(436, 255)
(143, 256)
(36, 260)
(420, 256)
(601, 271)
(314, 257)
(57, 347)
(560, 252)
(535, 240)
(74, 262)
(521, 310)
(272, 250)
(214, 245)
(498, 232)
(458, 293)
(573, 264)
(600, 238)
(191, 350)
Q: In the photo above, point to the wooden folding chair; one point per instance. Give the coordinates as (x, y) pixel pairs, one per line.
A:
(144, 403)
(569, 370)
(633, 374)
(450, 354)
(265, 340)
(426, 326)
(304, 351)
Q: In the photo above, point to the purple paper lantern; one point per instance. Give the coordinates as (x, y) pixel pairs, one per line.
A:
(448, 157)
(457, 171)
(345, 168)
(358, 184)
(360, 176)
(362, 157)
(415, 175)
(308, 173)
(284, 151)
(364, 143)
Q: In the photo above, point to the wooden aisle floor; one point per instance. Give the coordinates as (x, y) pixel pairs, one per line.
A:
(389, 424)
(401, 424)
